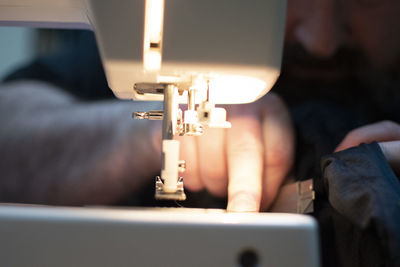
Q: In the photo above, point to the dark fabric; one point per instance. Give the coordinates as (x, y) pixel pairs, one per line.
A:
(320, 126)
(75, 67)
(358, 207)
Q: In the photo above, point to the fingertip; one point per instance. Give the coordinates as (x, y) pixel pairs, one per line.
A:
(345, 145)
(338, 148)
(243, 202)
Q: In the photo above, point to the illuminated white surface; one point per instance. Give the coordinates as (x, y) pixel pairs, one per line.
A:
(170, 171)
(234, 85)
(236, 89)
(60, 236)
(157, 215)
(153, 30)
(154, 15)
(152, 60)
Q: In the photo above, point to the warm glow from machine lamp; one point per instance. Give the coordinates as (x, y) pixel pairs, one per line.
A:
(153, 31)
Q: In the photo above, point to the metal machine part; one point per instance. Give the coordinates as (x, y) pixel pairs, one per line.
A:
(150, 115)
(295, 197)
(306, 196)
(178, 194)
(170, 185)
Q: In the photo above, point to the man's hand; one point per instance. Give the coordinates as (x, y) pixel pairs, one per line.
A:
(247, 162)
(387, 133)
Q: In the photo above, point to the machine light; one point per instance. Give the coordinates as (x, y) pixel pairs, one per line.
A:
(153, 31)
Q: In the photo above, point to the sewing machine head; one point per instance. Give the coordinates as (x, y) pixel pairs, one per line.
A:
(198, 53)
(233, 48)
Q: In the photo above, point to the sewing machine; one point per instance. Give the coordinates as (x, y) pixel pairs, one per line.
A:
(198, 53)
(189, 52)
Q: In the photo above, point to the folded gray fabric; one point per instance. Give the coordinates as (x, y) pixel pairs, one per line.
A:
(358, 207)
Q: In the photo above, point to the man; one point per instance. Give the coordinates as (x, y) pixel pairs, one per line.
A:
(327, 43)
(339, 74)
(342, 57)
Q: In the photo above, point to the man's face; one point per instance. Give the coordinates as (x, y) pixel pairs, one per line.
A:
(330, 39)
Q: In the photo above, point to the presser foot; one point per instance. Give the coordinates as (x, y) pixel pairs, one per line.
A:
(160, 194)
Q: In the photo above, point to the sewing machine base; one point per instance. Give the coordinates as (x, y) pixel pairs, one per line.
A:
(61, 236)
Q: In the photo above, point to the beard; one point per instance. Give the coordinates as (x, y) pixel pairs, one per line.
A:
(345, 79)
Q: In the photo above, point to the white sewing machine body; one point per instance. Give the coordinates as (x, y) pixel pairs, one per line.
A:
(49, 236)
(236, 45)
(198, 53)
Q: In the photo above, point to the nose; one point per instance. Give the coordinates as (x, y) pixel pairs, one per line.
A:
(321, 29)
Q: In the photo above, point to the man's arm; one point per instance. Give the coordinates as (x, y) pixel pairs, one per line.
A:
(57, 150)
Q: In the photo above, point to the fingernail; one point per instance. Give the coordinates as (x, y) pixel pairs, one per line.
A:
(243, 203)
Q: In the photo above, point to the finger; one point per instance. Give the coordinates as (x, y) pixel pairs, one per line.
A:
(379, 132)
(188, 151)
(245, 160)
(278, 135)
(212, 161)
(391, 150)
